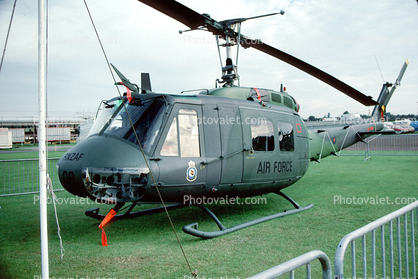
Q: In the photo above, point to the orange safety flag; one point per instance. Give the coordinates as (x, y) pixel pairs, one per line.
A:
(108, 217)
(104, 238)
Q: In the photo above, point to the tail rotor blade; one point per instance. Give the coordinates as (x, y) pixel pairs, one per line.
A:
(398, 80)
(385, 94)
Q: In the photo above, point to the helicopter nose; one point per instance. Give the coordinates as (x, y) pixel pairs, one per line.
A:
(105, 168)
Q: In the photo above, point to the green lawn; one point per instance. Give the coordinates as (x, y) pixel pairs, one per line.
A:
(28, 152)
(22, 176)
(146, 247)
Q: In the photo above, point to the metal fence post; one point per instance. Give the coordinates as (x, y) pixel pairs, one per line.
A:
(291, 265)
(371, 227)
(19, 176)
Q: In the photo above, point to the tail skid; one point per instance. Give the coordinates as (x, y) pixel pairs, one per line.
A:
(385, 94)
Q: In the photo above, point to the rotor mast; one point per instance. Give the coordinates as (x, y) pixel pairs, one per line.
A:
(232, 37)
(230, 70)
(229, 31)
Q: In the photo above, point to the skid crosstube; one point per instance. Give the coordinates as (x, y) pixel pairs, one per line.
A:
(192, 229)
(94, 213)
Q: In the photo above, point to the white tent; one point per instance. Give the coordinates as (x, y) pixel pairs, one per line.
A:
(6, 139)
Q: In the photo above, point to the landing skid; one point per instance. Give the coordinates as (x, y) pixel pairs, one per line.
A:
(94, 213)
(193, 228)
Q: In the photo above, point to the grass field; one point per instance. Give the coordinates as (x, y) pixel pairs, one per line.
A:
(30, 151)
(22, 176)
(146, 247)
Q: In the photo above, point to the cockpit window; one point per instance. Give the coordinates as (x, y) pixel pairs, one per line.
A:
(104, 112)
(171, 145)
(143, 124)
(189, 133)
(183, 134)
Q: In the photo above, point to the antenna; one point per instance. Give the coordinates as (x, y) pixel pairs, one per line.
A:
(379, 69)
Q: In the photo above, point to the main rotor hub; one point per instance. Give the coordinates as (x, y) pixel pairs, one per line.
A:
(229, 31)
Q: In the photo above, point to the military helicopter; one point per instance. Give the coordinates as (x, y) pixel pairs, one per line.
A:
(229, 142)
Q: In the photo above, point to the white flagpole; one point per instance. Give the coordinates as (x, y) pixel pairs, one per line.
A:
(41, 135)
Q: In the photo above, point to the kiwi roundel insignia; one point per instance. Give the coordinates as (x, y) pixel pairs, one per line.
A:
(191, 173)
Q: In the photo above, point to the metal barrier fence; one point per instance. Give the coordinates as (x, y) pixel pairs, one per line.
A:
(405, 144)
(291, 265)
(401, 264)
(403, 260)
(22, 176)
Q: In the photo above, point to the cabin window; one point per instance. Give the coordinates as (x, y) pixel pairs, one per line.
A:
(183, 136)
(286, 140)
(276, 98)
(255, 93)
(262, 133)
(288, 102)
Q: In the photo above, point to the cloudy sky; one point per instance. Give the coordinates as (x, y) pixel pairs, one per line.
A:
(349, 39)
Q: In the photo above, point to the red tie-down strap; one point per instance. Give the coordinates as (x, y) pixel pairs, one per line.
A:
(108, 217)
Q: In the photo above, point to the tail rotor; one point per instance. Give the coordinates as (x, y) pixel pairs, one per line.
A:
(385, 94)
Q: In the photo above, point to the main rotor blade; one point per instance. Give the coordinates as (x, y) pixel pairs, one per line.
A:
(177, 11)
(193, 20)
(311, 70)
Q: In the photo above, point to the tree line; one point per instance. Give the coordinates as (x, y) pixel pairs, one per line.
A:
(388, 117)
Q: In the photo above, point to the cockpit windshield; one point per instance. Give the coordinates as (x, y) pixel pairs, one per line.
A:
(143, 124)
(104, 112)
